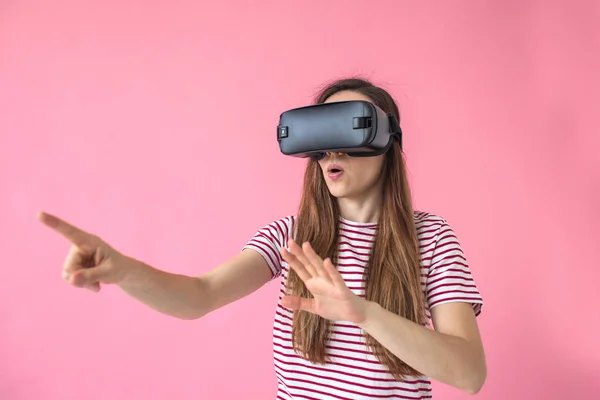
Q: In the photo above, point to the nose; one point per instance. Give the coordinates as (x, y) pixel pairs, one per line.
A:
(330, 154)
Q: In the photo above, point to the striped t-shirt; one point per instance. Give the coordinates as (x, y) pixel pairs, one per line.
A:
(353, 372)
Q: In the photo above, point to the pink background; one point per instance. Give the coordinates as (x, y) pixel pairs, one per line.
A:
(152, 124)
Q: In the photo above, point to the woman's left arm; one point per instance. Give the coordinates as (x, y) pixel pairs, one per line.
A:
(452, 353)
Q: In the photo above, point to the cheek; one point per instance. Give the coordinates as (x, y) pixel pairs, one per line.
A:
(369, 168)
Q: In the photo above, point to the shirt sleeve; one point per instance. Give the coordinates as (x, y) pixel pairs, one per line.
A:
(449, 278)
(268, 240)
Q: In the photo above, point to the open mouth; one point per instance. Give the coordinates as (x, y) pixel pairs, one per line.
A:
(335, 172)
(335, 169)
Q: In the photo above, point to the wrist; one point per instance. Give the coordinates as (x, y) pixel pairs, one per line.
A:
(130, 271)
(370, 310)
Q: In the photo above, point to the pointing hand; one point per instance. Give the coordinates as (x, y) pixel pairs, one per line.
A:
(90, 261)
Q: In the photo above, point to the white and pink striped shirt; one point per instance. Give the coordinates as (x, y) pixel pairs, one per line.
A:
(353, 372)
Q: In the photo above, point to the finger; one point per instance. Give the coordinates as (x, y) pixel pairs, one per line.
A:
(315, 260)
(296, 265)
(89, 278)
(298, 303)
(334, 274)
(72, 262)
(94, 287)
(73, 234)
(79, 281)
(299, 253)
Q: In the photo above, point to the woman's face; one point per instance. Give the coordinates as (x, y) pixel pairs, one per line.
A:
(351, 177)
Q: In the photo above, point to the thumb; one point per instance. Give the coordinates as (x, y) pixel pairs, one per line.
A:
(298, 303)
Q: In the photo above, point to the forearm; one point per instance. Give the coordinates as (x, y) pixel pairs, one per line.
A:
(176, 295)
(445, 358)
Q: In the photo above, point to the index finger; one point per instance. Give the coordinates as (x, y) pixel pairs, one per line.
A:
(73, 234)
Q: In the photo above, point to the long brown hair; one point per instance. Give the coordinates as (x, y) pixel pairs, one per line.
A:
(393, 277)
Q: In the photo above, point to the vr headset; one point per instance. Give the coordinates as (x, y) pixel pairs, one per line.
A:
(358, 128)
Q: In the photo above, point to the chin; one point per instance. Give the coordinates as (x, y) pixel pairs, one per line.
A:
(337, 192)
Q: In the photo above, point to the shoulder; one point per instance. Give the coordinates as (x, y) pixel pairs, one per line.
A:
(270, 238)
(433, 231)
(428, 223)
(448, 277)
(280, 228)
(439, 244)
(283, 220)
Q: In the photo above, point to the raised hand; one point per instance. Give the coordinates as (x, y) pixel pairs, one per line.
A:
(90, 261)
(332, 300)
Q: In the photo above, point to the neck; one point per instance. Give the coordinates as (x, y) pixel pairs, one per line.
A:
(365, 210)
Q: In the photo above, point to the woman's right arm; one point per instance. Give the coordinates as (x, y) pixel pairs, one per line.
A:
(189, 297)
(92, 262)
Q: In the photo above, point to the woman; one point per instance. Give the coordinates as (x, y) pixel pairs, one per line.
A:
(376, 299)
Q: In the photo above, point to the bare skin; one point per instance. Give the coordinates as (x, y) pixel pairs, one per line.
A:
(91, 262)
